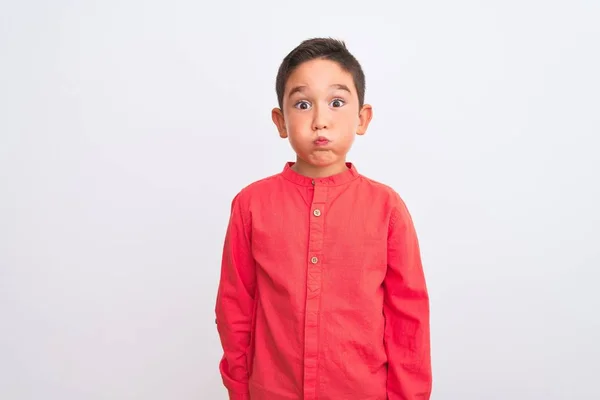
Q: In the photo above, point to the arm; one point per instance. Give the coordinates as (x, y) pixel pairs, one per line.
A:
(235, 304)
(406, 310)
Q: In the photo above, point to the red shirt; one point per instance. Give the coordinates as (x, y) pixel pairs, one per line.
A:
(322, 293)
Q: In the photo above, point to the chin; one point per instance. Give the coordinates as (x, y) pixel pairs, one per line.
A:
(321, 158)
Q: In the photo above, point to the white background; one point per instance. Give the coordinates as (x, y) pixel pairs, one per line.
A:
(126, 127)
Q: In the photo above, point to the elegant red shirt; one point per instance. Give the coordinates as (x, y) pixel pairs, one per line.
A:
(322, 292)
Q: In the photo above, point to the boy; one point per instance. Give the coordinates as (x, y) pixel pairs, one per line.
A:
(322, 293)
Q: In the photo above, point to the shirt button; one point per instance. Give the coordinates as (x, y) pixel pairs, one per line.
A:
(317, 213)
(314, 260)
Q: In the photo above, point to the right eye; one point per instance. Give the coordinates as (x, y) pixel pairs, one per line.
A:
(302, 105)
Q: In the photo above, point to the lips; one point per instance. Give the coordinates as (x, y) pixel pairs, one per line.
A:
(321, 140)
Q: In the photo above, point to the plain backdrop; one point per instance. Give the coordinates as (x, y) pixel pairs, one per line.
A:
(126, 127)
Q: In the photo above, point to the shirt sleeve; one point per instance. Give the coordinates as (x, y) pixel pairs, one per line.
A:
(235, 303)
(406, 310)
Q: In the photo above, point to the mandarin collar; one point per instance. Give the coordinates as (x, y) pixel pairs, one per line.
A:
(334, 180)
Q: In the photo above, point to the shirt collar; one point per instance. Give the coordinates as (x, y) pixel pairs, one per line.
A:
(335, 180)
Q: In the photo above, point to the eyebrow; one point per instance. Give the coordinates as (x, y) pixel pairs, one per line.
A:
(300, 88)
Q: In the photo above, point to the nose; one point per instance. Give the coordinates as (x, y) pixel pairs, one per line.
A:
(320, 118)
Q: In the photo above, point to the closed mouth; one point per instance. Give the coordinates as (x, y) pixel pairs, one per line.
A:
(321, 140)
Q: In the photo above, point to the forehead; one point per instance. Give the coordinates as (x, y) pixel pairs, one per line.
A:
(319, 74)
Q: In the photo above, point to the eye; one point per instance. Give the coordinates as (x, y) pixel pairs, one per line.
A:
(336, 103)
(302, 105)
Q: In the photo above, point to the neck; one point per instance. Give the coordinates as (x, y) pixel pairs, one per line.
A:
(312, 171)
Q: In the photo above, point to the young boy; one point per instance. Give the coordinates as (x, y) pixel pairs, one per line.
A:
(322, 293)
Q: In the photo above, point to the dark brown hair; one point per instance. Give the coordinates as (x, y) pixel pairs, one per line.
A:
(325, 49)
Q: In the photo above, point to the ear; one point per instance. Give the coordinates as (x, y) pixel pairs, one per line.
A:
(364, 117)
(279, 121)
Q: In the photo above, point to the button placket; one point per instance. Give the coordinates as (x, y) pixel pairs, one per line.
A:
(313, 290)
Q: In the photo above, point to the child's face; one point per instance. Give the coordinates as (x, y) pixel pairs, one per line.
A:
(321, 113)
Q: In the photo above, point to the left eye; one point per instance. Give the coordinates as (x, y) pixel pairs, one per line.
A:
(337, 103)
